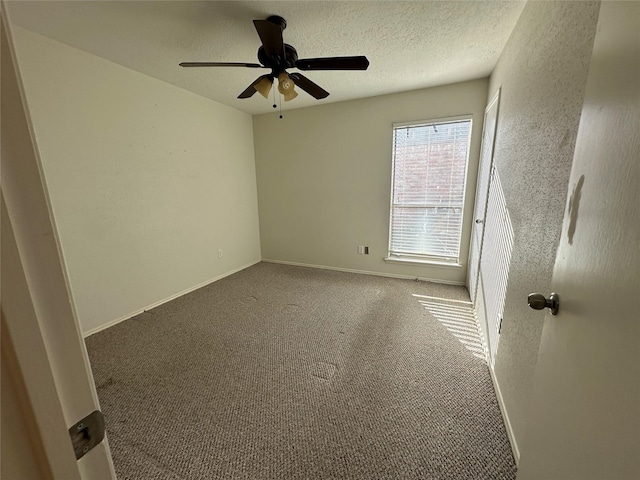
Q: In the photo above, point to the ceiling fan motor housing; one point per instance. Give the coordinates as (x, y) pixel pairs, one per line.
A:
(276, 62)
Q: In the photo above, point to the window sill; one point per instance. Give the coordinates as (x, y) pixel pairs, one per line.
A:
(422, 262)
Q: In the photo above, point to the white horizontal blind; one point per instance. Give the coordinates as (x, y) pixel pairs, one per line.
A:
(429, 173)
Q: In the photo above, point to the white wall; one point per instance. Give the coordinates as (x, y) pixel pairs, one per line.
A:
(324, 177)
(542, 72)
(147, 181)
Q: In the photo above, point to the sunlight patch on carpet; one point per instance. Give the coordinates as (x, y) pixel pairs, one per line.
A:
(459, 318)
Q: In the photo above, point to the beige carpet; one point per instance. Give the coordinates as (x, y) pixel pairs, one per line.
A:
(281, 372)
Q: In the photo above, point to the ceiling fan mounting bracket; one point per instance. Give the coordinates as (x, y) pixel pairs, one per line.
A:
(278, 20)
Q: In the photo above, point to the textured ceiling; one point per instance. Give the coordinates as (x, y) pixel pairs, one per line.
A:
(410, 45)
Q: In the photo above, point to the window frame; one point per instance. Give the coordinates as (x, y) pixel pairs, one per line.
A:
(407, 258)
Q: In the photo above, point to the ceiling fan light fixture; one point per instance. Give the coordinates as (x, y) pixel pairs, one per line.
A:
(285, 86)
(264, 87)
(290, 96)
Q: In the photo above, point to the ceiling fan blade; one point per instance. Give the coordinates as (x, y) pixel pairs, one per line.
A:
(333, 63)
(271, 36)
(221, 64)
(313, 89)
(251, 89)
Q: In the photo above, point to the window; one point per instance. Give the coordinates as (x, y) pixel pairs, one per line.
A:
(429, 176)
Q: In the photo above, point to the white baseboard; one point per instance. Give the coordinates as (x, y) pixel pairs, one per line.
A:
(505, 417)
(365, 272)
(111, 323)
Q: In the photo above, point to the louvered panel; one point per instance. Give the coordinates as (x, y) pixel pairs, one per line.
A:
(496, 257)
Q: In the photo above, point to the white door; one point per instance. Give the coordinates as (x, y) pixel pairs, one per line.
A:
(585, 418)
(44, 347)
(482, 192)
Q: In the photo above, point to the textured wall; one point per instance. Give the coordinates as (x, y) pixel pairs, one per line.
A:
(147, 181)
(542, 72)
(324, 178)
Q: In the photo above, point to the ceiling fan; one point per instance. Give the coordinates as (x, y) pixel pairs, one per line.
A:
(279, 56)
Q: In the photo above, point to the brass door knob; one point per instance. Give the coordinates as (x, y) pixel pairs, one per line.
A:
(537, 301)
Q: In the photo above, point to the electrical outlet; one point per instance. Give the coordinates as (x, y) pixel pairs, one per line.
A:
(219, 253)
(363, 250)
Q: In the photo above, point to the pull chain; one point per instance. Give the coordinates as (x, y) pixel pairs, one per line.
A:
(274, 101)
